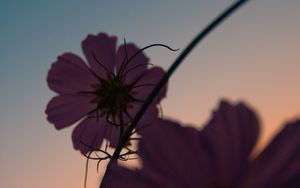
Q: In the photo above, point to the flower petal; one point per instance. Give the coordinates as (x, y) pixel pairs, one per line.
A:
(89, 134)
(69, 74)
(113, 135)
(100, 52)
(136, 66)
(172, 156)
(64, 110)
(176, 153)
(149, 116)
(230, 137)
(147, 82)
(279, 164)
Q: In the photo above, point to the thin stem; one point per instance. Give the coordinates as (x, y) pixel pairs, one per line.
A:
(172, 69)
(217, 21)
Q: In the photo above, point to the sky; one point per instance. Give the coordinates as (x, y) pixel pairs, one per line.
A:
(253, 57)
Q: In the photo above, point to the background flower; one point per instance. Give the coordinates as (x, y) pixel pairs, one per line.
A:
(217, 156)
(112, 86)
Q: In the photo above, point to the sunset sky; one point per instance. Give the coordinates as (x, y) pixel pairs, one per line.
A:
(253, 56)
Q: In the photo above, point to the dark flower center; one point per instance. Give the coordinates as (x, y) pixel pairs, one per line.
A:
(114, 96)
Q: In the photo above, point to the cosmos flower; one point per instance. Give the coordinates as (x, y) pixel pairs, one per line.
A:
(218, 156)
(104, 94)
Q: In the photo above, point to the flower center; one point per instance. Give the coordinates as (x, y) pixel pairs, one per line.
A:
(113, 95)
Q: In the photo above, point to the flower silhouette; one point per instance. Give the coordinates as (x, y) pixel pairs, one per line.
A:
(105, 94)
(218, 156)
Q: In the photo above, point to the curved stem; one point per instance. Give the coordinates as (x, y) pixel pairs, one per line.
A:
(170, 71)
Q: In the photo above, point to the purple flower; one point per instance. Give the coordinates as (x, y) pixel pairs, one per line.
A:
(103, 94)
(218, 156)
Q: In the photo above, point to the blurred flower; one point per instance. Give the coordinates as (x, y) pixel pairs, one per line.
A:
(105, 94)
(216, 157)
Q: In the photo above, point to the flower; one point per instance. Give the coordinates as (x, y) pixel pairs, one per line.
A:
(105, 94)
(217, 156)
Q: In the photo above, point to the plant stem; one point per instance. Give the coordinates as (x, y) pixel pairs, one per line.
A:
(168, 74)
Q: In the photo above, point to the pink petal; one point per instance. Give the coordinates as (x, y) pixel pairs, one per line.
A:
(150, 114)
(147, 82)
(279, 164)
(89, 134)
(101, 48)
(69, 74)
(64, 110)
(136, 66)
(175, 154)
(112, 135)
(172, 157)
(230, 137)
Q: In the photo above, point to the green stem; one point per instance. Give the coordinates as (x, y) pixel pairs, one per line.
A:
(170, 71)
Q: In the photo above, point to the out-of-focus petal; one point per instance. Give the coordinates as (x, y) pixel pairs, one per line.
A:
(172, 157)
(136, 66)
(230, 137)
(147, 82)
(279, 164)
(176, 153)
(69, 74)
(100, 48)
(64, 110)
(89, 134)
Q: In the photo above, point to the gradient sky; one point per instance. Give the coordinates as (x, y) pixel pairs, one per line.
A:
(254, 56)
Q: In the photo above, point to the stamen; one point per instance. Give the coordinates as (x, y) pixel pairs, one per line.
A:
(95, 75)
(101, 64)
(141, 50)
(124, 60)
(137, 66)
(98, 163)
(94, 150)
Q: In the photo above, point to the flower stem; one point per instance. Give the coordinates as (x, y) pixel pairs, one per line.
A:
(218, 20)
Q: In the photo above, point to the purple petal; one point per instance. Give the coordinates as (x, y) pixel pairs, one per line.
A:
(147, 82)
(279, 164)
(69, 74)
(89, 134)
(149, 116)
(100, 52)
(230, 137)
(176, 154)
(113, 135)
(64, 110)
(136, 66)
(172, 157)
